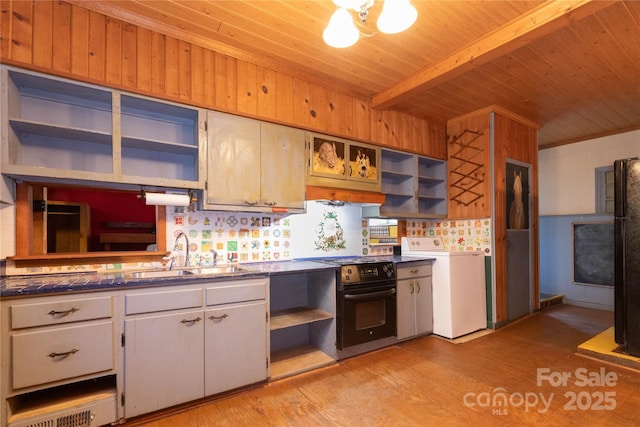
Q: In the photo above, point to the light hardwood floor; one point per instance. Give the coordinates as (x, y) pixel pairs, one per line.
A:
(430, 381)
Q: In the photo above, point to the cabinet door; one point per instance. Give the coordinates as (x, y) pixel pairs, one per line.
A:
(424, 305)
(235, 346)
(233, 169)
(164, 361)
(406, 326)
(282, 166)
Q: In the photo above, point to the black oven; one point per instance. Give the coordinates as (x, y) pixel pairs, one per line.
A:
(366, 303)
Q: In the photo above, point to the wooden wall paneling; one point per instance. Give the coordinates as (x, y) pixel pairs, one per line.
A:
(21, 32)
(231, 83)
(97, 46)
(113, 51)
(377, 129)
(197, 75)
(122, 55)
(129, 56)
(143, 53)
(318, 107)
(384, 129)
(158, 63)
(345, 115)
(5, 28)
(42, 34)
(361, 119)
(184, 71)
(172, 68)
(247, 78)
(61, 35)
(333, 112)
(222, 76)
(209, 76)
(301, 102)
(267, 92)
(429, 139)
(79, 41)
(284, 100)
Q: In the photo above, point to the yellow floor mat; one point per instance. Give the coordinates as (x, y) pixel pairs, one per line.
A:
(604, 347)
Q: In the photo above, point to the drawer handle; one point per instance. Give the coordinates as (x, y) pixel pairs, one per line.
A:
(214, 318)
(64, 312)
(65, 354)
(414, 271)
(418, 285)
(191, 321)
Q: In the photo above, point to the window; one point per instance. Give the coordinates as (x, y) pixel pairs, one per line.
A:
(604, 190)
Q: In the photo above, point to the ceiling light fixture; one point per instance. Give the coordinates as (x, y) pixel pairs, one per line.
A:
(396, 16)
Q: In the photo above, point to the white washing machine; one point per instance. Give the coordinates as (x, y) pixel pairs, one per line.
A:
(459, 291)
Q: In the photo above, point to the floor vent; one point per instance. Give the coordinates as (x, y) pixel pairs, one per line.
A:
(90, 410)
(76, 419)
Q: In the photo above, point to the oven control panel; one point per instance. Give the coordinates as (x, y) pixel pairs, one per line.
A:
(367, 272)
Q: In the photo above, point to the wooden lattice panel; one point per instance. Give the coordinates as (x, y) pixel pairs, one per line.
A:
(467, 170)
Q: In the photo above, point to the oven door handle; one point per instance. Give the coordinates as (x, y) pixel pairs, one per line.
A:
(370, 294)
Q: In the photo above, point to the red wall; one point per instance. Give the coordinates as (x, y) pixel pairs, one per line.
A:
(107, 206)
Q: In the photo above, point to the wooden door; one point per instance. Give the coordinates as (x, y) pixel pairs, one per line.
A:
(164, 361)
(518, 240)
(233, 169)
(406, 326)
(282, 166)
(235, 346)
(424, 305)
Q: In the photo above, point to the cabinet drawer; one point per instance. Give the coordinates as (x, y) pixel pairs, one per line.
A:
(63, 311)
(415, 270)
(161, 301)
(57, 354)
(229, 292)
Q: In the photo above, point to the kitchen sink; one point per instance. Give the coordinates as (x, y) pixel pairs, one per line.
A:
(187, 271)
(152, 274)
(223, 269)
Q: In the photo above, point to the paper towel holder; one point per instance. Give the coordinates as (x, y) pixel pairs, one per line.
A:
(190, 201)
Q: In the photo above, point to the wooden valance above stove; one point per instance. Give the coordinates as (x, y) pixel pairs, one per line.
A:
(343, 195)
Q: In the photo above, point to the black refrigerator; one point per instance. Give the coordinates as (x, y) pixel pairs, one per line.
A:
(627, 255)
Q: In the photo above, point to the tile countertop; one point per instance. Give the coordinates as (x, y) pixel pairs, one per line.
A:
(49, 284)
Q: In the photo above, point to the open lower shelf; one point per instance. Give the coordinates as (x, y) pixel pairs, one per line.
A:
(296, 360)
(297, 316)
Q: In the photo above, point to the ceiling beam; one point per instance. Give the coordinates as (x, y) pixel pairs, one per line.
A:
(545, 19)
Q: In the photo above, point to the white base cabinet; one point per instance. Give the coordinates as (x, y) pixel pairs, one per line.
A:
(187, 342)
(415, 299)
(59, 359)
(235, 346)
(164, 361)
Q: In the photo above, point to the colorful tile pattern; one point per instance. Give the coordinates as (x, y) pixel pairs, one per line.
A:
(457, 235)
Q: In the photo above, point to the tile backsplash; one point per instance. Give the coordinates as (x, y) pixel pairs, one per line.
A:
(323, 231)
(242, 237)
(457, 235)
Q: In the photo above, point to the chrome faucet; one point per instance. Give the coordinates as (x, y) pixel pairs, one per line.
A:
(175, 248)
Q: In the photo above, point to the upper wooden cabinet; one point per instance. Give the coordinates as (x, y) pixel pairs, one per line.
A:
(254, 166)
(69, 131)
(340, 163)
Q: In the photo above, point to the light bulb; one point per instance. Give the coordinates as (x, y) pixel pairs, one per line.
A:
(396, 16)
(340, 32)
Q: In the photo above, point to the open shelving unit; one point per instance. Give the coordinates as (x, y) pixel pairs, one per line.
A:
(302, 321)
(62, 129)
(414, 186)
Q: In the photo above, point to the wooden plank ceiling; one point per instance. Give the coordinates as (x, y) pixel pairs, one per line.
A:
(571, 65)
